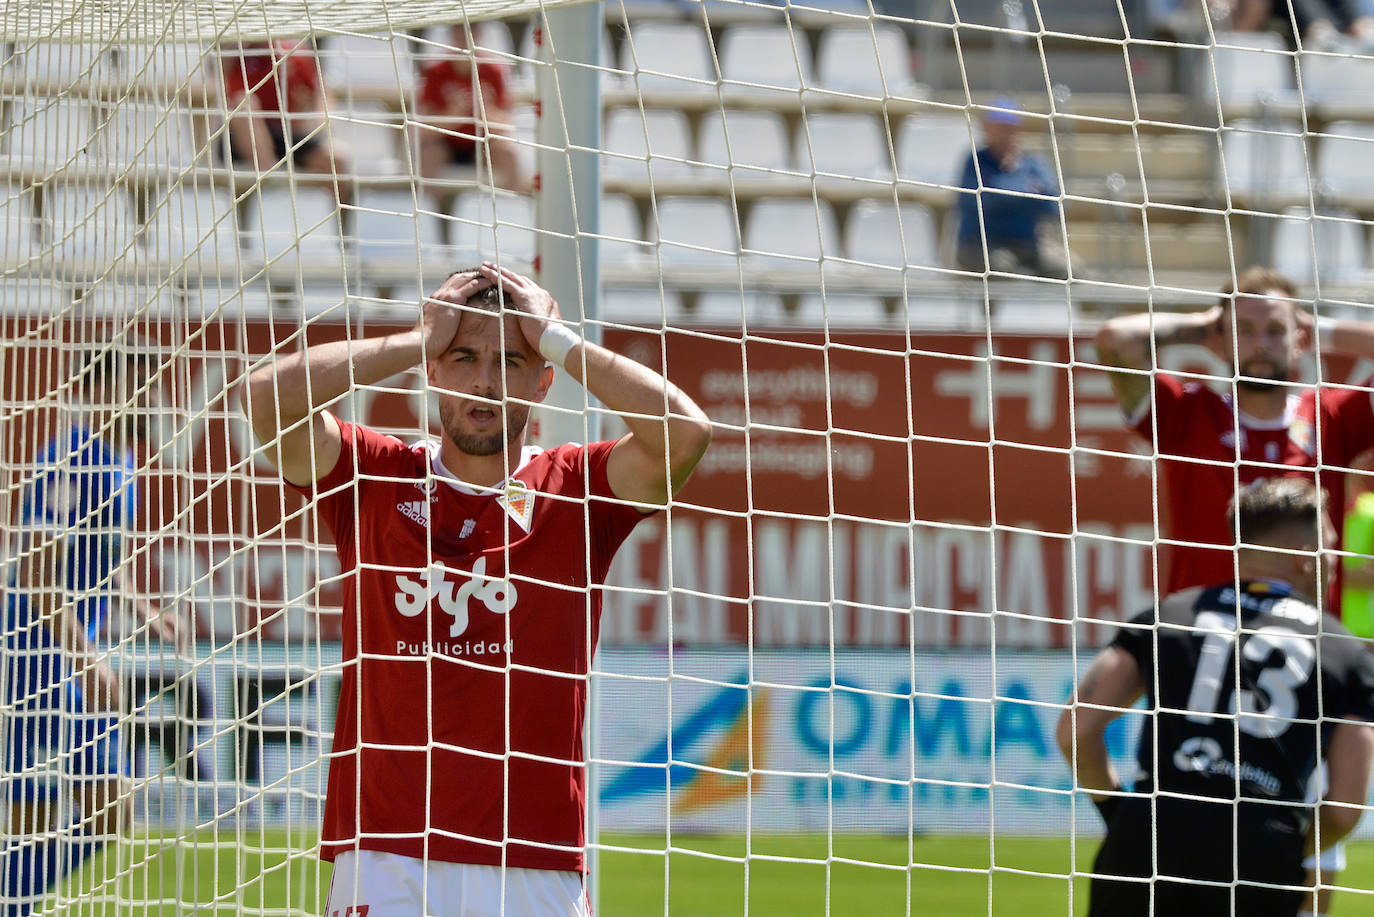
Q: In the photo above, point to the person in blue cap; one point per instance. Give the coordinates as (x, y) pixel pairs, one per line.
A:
(66, 781)
(1011, 200)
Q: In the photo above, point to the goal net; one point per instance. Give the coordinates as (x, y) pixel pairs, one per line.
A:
(829, 672)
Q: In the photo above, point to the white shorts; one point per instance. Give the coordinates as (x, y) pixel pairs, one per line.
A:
(390, 885)
(1332, 859)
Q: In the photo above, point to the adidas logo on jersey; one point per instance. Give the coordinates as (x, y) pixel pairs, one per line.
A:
(415, 511)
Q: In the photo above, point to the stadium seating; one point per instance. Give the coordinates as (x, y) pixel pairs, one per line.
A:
(846, 60)
(494, 225)
(849, 144)
(1336, 78)
(1343, 157)
(668, 56)
(295, 229)
(193, 224)
(392, 225)
(728, 309)
(697, 231)
(640, 305)
(90, 223)
(622, 232)
(630, 136)
(765, 56)
(787, 233)
(1265, 159)
(841, 310)
(932, 148)
(879, 232)
(16, 224)
(375, 63)
(147, 133)
(47, 132)
(1326, 249)
(1247, 66)
(757, 140)
(371, 135)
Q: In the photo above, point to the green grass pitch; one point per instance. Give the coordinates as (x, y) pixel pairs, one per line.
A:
(279, 874)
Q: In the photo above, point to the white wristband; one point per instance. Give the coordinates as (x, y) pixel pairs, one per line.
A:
(1325, 324)
(557, 342)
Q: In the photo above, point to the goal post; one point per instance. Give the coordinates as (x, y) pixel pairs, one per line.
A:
(829, 671)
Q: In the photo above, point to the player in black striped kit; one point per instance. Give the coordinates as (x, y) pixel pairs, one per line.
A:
(1250, 687)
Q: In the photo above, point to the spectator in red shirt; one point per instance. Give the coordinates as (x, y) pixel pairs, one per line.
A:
(277, 104)
(464, 107)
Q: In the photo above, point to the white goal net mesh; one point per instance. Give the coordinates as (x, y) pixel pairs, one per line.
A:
(829, 673)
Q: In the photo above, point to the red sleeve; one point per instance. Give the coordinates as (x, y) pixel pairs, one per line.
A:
(611, 519)
(1163, 418)
(361, 452)
(234, 69)
(1353, 412)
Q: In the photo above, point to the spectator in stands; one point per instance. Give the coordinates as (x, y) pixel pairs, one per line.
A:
(465, 108)
(277, 101)
(1332, 25)
(1021, 231)
(1187, 19)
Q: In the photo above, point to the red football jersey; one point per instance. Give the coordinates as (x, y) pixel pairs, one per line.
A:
(1321, 426)
(447, 84)
(468, 618)
(283, 77)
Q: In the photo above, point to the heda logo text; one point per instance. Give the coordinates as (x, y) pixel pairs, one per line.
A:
(415, 593)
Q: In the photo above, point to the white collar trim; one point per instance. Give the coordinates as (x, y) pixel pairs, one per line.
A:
(442, 473)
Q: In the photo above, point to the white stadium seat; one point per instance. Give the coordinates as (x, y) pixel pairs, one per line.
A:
(756, 140)
(787, 233)
(1336, 239)
(90, 221)
(842, 310)
(391, 227)
(1248, 66)
(1343, 161)
(374, 138)
(843, 143)
(696, 231)
(728, 308)
(879, 232)
(295, 229)
(933, 148)
(640, 306)
(377, 62)
(622, 231)
(1336, 78)
(16, 224)
(771, 56)
(870, 62)
(149, 134)
(193, 223)
(495, 226)
(1268, 158)
(668, 57)
(47, 132)
(657, 142)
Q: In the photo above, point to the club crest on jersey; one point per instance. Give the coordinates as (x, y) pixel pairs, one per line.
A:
(1228, 440)
(518, 502)
(1300, 435)
(416, 511)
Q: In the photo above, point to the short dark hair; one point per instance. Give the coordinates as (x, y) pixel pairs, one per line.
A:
(1257, 280)
(1267, 507)
(488, 300)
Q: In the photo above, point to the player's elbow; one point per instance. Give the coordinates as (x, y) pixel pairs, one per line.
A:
(1064, 733)
(688, 442)
(257, 401)
(1338, 820)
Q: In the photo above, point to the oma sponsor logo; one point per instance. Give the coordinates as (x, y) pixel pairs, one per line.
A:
(454, 591)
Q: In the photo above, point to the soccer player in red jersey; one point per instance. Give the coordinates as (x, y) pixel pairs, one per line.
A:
(471, 609)
(1210, 443)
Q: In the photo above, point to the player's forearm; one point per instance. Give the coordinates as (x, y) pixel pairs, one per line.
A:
(1085, 750)
(293, 387)
(1351, 339)
(661, 417)
(1125, 341)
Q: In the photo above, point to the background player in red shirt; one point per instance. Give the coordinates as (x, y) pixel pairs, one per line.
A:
(277, 103)
(464, 107)
(471, 599)
(1208, 443)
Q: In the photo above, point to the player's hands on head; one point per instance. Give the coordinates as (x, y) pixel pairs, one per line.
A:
(1215, 332)
(438, 323)
(534, 303)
